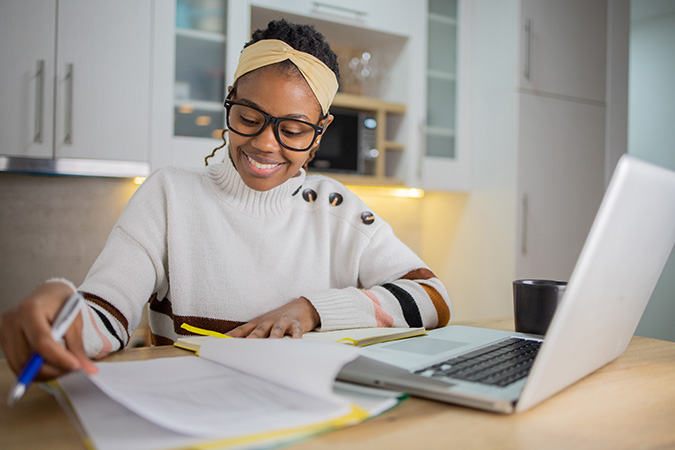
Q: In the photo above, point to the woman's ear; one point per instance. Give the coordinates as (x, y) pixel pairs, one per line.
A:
(315, 147)
(326, 122)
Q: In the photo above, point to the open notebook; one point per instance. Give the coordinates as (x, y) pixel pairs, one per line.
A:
(237, 393)
(358, 337)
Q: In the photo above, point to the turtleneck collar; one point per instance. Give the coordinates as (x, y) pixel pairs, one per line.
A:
(229, 186)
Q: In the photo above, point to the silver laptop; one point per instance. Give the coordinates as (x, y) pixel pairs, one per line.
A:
(617, 270)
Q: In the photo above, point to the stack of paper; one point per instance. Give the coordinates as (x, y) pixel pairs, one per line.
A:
(238, 393)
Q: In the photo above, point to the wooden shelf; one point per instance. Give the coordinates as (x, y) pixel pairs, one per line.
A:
(392, 145)
(382, 109)
(352, 101)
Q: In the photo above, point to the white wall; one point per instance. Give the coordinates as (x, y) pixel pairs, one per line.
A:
(651, 127)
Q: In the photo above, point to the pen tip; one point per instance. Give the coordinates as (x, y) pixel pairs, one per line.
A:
(15, 394)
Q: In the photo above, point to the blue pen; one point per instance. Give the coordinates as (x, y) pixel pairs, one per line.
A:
(64, 319)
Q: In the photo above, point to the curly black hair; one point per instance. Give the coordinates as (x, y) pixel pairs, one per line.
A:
(304, 38)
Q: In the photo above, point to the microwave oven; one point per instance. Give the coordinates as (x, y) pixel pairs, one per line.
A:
(349, 144)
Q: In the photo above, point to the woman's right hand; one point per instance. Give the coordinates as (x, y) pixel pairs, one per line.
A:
(26, 328)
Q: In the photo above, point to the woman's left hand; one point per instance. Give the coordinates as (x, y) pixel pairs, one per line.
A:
(293, 319)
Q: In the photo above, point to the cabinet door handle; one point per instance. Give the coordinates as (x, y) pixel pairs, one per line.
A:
(39, 100)
(68, 135)
(338, 11)
(527, 70)
(523, 230)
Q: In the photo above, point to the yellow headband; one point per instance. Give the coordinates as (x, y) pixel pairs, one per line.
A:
(320, 78)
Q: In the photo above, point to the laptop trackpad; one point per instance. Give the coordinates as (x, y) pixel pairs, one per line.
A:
(425, 346)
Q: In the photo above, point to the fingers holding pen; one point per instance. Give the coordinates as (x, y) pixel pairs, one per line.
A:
(27, 328)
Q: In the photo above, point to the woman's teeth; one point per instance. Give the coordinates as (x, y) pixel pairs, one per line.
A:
(260, 165)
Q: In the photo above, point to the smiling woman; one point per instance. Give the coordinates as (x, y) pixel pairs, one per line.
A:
(252, 246)
(262, 153)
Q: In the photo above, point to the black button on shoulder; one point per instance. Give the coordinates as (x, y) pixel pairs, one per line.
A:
(335, 199)
(367, 217)
(309, 195)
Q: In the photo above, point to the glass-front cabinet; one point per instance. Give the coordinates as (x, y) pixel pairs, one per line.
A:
(199, 86)
(441, 78)
(444, 157)
(189, 80)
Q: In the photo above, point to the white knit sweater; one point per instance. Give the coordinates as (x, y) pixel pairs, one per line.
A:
(207, 250)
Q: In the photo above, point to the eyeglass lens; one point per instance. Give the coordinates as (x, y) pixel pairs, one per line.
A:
(292, 133)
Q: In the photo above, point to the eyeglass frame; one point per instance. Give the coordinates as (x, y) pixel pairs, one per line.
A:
(318, 130)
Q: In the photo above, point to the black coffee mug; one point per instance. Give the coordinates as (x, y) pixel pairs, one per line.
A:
(535, 302)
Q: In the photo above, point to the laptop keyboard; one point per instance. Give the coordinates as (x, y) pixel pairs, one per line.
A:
(499, 364)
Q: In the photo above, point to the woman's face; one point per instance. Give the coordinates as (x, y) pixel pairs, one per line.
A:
(262, 162)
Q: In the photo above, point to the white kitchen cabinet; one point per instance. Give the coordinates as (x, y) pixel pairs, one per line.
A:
(103, 79)
(193, 41)
(200, 49)
(561, 132)
(27, 31)
(537, 147)
(443, 147)
(563, 49)
(540, 138)
(560, 53)
(377, 15)
(76, 76)
(560, 182)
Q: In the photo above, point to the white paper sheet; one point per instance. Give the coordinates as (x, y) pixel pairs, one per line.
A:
(198, 397)
(307, 366)
(111, 426)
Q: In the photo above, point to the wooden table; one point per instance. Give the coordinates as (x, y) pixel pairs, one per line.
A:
(628, 404)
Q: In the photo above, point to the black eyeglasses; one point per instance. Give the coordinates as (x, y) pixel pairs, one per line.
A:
(293, 134)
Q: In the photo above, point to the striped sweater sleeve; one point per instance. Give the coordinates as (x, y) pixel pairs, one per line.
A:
(105, 330)
(396, 289)
(421, 297)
